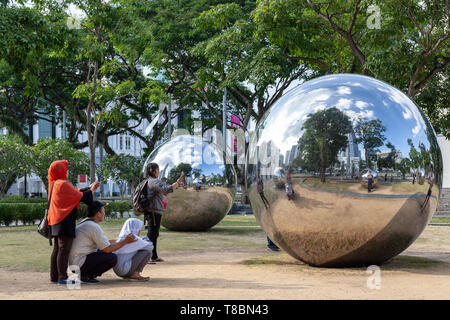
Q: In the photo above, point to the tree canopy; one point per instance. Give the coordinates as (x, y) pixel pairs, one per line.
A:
(324, 136)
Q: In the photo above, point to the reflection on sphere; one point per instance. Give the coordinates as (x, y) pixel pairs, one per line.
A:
(208, 189)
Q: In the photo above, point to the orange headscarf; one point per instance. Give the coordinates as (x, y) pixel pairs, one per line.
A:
(65, 197)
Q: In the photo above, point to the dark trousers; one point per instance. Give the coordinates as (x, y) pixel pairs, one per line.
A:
(97, 263)
(60, 258)
(270, 244)
(153, 231)
(139, 261)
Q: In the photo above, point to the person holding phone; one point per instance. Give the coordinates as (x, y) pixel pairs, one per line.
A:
(62, 215)
(156, 189)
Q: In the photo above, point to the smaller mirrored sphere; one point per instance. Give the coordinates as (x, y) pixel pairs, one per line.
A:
(208, 189)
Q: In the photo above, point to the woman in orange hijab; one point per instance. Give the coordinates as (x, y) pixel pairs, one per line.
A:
(62, 216)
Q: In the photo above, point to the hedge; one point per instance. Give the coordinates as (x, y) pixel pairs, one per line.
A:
(20, 199)
(25, 212)
(28, 213)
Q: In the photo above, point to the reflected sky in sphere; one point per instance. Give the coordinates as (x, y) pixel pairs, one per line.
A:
(188, 149)
(358, 97)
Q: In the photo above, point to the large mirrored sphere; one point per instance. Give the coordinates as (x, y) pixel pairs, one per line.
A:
(307, 171)
(209, 186)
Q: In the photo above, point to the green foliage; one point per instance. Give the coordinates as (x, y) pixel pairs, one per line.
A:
(175, 173)
(325, 135)
(123, 169)
(20, 199)
(15, 161)
(28, 213)
(410, 50)
(47, 150)
(371, 134)
(404, 166)
(390, 160)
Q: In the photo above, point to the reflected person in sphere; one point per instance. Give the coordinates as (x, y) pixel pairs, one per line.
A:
(369, 181)
(260, 188)
(289, 188)
(156, 189)
(431, 183)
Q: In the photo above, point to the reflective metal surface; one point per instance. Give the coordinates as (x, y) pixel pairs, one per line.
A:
(327, 132)
(208, 189)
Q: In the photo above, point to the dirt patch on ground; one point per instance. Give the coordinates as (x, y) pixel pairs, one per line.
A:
(223, 274)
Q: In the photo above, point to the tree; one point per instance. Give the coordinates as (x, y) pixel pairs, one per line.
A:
(48, 68)
(409, 50)
(414, 156)
(47, 150)
(123, 169)
(324, 136)
(390, 160)
(15, 161)
(175, 173)
(404, 166)
(370, 134)
(196, 172)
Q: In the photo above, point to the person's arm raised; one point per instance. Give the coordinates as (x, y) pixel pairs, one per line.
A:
(117, 245)
(176, 183)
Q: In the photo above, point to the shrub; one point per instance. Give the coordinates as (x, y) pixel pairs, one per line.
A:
(7, 214)
(122, 207)
(82, 212)
(109, 210)
(28, 213)
(20, 199)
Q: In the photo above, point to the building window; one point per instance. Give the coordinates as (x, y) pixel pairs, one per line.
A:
(120, 143)
(128, 143)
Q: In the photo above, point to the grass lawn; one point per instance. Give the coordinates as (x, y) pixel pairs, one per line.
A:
(24, 249)
(440, 220)
(404, 187)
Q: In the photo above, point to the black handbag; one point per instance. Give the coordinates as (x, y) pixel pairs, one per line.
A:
(43, 228)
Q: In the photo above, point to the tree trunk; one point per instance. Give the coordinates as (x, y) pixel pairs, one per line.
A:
(92, 136)
(322, 174)
(367, 159)
(132, 189)
(122, 190)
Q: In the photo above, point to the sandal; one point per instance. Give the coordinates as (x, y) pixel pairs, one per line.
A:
(157, 260)
(137, 278)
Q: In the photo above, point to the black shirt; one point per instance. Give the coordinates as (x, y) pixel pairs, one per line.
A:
(66, 227)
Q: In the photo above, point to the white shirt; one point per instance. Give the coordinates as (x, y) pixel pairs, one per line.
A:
(89, 237)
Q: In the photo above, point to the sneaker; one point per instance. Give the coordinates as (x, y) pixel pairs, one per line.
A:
(89, 281)
(65, 282)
